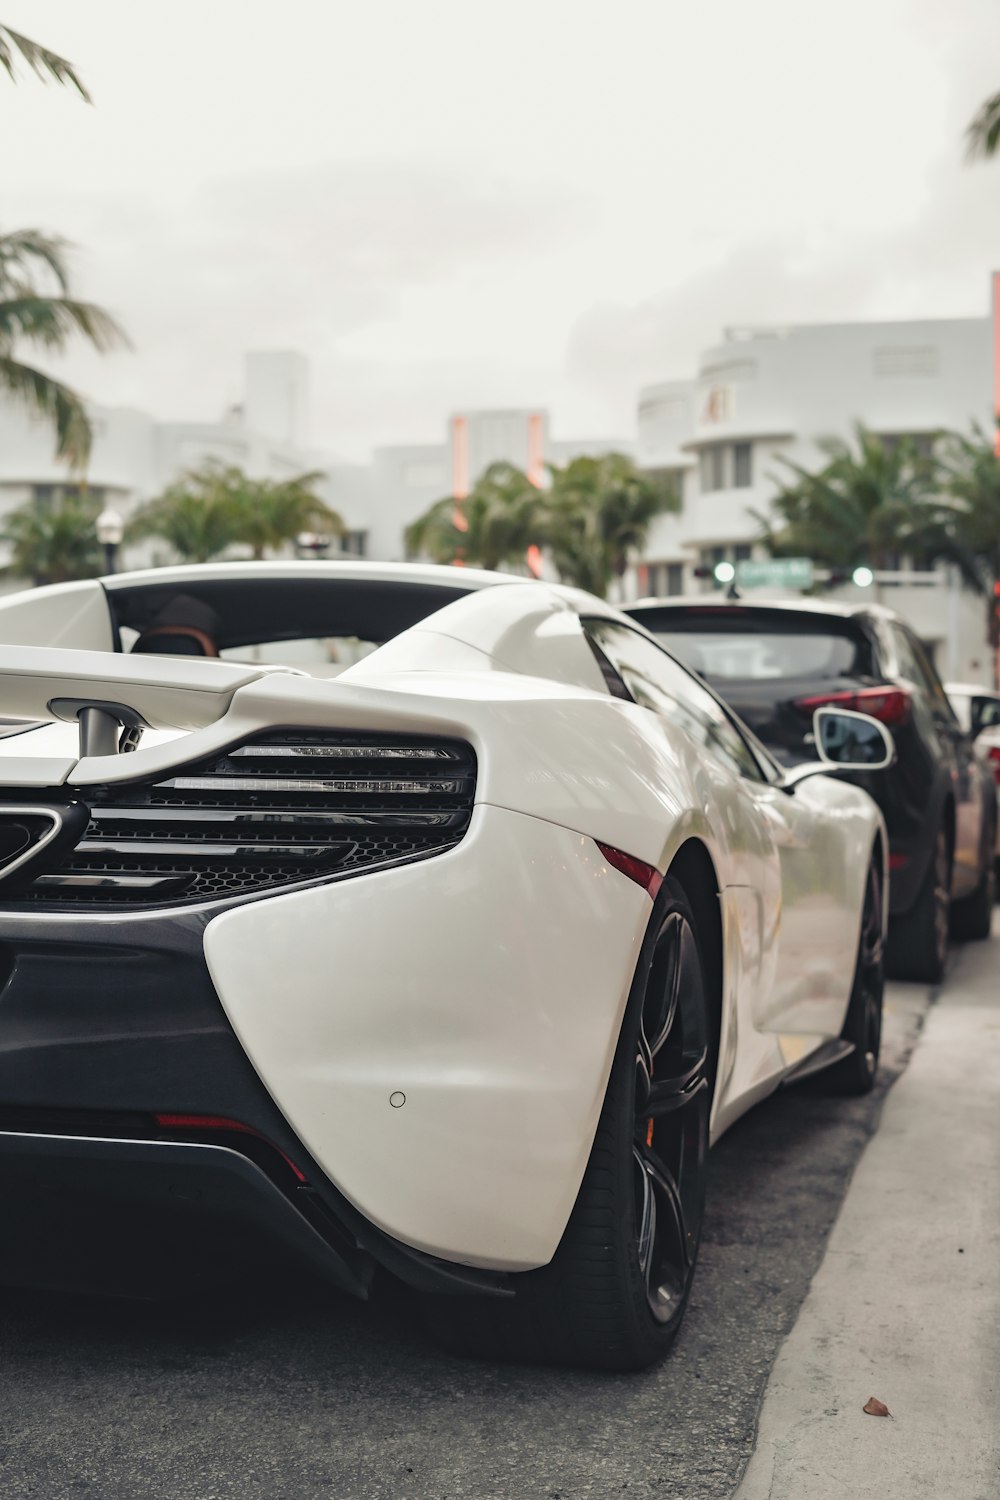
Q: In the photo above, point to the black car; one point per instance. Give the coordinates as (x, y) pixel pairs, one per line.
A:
(776, 663)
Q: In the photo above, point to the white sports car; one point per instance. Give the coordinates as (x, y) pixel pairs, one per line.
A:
(405, 917)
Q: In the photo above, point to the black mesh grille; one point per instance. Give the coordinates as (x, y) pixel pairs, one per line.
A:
(282, 808)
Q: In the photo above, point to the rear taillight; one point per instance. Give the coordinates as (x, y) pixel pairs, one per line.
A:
(994, 757)
(888, 705)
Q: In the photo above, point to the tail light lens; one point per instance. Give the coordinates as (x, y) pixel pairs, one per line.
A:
(888, 705)
(994, 757)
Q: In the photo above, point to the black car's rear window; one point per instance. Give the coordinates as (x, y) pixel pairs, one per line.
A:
(753, 645)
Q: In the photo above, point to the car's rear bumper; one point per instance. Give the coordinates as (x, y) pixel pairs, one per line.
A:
(108, 1027)
(141, 1216)
(482, 989)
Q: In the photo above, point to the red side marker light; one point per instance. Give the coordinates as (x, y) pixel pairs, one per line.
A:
(635, 869)
(219, 1122)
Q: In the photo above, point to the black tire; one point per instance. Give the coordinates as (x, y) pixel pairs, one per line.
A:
(614, 1294)
(972, 918)
(918, 940)
(855, 1074)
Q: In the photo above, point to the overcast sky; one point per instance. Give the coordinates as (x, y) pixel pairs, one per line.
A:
(452, 203)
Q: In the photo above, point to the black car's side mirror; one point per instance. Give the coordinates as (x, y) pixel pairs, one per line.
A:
(852, 741)
(845, 741)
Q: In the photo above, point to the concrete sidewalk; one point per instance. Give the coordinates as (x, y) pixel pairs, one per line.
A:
(906, 1304)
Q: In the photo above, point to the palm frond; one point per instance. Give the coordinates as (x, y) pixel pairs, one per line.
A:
(53, 544)
(52, 321)
(20, 249)
(50, 398)
(983, 134)
(42, 62)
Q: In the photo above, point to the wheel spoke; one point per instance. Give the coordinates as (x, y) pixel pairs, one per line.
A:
(664, 1187)
(667, 1095)
(671, 940)
(871, 944)
(647, 1218)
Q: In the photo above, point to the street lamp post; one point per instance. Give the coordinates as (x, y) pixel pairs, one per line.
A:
(110, 530)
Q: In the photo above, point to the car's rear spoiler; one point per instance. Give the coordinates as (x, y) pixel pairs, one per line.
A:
(105, 691)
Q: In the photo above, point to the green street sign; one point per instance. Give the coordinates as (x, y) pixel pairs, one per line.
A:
(775, 573)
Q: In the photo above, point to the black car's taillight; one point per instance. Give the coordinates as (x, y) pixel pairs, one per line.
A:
(890, 705)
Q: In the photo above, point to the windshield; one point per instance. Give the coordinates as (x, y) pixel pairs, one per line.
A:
(722, 653)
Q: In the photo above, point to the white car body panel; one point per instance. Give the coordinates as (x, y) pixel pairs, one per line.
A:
(70, 616)
(328, 991)
(486, 984)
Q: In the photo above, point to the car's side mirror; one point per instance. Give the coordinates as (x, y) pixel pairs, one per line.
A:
(985, 714)
(852, 741)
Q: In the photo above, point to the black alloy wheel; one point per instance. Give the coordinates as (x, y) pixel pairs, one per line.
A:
(671, 1117)
(855, 1074)
(614, 1294)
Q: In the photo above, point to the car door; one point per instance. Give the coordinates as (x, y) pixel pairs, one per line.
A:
(813, 961)
(788, 871)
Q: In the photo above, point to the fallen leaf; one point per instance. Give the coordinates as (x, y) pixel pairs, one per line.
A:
(876, 1408)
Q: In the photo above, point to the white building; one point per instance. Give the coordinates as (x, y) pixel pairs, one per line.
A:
(765, 395)
(403, 482)
(135, 457)
(761, 396)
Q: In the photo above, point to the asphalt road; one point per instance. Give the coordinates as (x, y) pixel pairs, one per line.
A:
(298, 1393)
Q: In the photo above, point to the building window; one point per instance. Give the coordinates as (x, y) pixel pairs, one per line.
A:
(920, 443)
(713, 468)
(664, 579)
(46, 496)
(915, 359)
(742, 466)
(354, 543)
(710, 557)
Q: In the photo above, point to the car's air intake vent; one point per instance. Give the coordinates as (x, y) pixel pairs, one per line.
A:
(280, 809)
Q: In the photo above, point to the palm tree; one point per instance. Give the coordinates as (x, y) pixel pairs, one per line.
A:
(215, 507)
(53, 543)
(597, 514)
(869, 504)
(969, 475)
(36, 308)
(14, 48)
(495, 524)
(269, 513)
(35, 305)
(197, 521)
